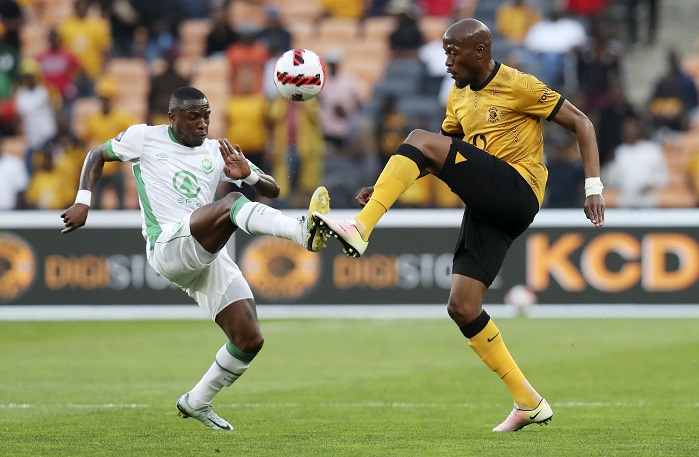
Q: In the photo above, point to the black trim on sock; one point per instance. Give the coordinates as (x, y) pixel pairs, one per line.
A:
(414, 154)
(474, 327)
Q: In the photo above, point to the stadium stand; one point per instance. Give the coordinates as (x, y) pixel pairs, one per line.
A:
(364, 45)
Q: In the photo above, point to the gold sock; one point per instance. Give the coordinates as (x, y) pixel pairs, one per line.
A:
(490, 347)
(398, 174)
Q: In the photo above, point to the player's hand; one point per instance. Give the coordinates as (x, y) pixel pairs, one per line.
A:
(364, 195)
(74, 217)
(235, 164)
(594, 209)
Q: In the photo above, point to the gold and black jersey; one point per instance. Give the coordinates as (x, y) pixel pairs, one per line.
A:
(503, 117)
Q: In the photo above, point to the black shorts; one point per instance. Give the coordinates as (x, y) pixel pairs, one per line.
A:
(500, 205)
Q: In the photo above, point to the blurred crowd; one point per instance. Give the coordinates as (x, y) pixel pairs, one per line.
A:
(342, 138)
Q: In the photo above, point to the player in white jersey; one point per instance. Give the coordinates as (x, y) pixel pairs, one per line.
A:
(177, 169)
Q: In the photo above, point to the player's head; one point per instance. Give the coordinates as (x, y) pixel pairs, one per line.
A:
(467, 46)
(189, 116)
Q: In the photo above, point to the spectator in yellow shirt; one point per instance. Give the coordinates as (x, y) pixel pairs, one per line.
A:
(89, 38)
(246, 125)
(47, 188)
(99, 128)
(513, 20)
(351, 9)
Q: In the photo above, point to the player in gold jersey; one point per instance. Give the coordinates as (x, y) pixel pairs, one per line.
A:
(490, 153)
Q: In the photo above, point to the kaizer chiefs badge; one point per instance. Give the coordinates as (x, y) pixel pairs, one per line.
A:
(17, 266)
(279, 269)
(493, 115)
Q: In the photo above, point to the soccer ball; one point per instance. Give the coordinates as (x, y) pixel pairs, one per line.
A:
(299, 75)
(521, 298)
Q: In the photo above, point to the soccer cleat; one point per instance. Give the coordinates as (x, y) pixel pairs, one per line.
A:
(520, 418)
(206, 416)
(313, 239)
(345, 232)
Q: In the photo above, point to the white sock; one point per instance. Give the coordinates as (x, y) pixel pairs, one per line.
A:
(225, 370)
(258, 219)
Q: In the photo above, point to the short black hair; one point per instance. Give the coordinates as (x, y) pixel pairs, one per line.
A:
(182, 94)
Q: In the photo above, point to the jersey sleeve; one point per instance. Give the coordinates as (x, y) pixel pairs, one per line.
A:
(451, 125)
(535, 98)
(128, 145)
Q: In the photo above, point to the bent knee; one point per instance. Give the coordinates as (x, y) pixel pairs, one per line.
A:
(251, 345)
(231, 197)
(419, 138)
(463, 313)
(433, 146)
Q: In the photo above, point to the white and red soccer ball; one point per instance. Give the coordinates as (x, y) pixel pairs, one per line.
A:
(299, 75)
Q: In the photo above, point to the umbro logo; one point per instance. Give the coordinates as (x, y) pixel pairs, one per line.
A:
(162, 156)
(490, 340)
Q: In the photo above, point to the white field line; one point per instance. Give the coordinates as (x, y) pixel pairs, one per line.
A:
(75, 406)
(380, 405)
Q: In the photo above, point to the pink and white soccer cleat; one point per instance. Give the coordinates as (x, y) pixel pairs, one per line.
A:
(345, 231)
(520, 418)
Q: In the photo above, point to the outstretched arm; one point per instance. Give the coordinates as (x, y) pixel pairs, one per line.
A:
(75, 216)
(577, 122)
(237, 167)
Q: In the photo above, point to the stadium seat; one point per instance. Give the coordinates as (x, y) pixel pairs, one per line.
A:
(33, 39)
(249, 13)
(433, 27)
(83, 108)
(378, 28)
(422, 111)
(501, 49)
(410, 69)
(293, 10)
(674, 197)
(48, 13)
(397, 88)
(337, 30)
(302, 33)
(487, 8)
(211, 77)
(193, 33)
(132, 76)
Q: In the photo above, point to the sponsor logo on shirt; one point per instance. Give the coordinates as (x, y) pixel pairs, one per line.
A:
(186, 184)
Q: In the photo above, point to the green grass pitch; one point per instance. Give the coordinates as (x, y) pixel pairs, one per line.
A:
(618, 387)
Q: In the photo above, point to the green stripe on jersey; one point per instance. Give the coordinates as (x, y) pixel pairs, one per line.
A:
(153, 229)
(110, 151)
(171, 134)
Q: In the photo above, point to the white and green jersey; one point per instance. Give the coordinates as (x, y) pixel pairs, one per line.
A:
(172, 179)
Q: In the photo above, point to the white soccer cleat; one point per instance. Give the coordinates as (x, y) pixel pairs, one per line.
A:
(313, 238)
(206, 416)
(520, 418)
(345, 232)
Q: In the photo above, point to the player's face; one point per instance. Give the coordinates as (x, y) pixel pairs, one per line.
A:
(461, 60)
(190, 123)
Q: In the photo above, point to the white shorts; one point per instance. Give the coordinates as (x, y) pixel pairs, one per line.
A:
(213, 280)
